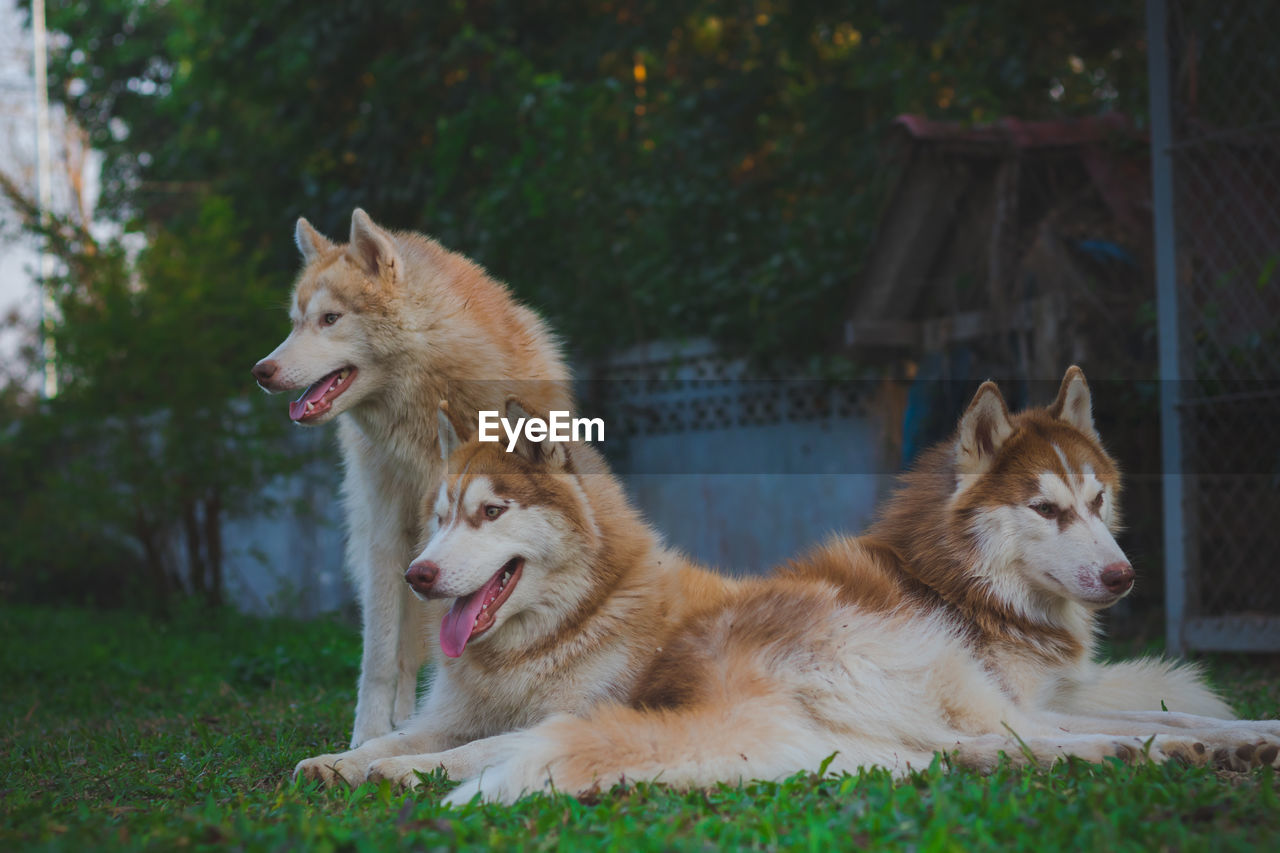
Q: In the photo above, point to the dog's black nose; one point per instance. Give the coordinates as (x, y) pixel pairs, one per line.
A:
(264, 370)
(1117, 577)
(422, 576)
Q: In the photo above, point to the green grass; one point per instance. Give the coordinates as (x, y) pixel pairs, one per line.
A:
(122, 732)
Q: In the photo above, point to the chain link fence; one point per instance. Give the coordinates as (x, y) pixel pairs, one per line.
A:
(1215, 78)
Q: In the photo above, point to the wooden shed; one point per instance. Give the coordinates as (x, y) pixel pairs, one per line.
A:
(1027, 243)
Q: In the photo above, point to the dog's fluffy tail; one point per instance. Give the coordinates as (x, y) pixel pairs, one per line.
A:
(1141, 685)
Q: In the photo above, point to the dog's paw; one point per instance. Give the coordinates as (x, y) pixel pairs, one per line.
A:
(400, 772)
(1181, 749)
(1128, 750)
(1262, 752)
(331, 769)
(1234, 750)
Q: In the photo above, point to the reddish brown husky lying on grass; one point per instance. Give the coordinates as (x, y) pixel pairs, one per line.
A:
(962, 623)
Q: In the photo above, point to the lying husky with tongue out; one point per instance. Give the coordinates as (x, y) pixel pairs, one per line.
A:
(579, 652)
(558, 595)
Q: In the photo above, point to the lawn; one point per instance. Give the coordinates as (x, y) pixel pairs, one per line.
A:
(125, 732)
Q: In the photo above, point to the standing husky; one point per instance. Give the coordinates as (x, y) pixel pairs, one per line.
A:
(383, 328)
(563, 603)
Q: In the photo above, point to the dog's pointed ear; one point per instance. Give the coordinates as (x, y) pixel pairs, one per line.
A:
(984, 428)
(1075, 404)
(448, 433)
(372, 249)
(311, 243)
(551, 454)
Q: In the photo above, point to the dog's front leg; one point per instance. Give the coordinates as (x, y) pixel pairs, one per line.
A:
(352, 767)
(382, 603)
(382, 524)
(1161, 722)
(1220, 748)
(413, 648)
(463, 762)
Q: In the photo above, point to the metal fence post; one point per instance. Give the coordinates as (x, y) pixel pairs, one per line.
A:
(1166, 257)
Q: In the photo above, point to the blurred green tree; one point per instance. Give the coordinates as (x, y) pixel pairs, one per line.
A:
(116, 489)
(636, 169)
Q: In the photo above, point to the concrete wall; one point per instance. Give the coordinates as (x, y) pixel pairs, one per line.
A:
(757, 495)
(292, 561)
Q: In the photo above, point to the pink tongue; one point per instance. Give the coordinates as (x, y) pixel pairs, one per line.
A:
(298, 407)
(461, 618)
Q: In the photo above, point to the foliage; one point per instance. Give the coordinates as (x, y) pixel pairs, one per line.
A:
(130, 733)
(154, 432)
(637, 169)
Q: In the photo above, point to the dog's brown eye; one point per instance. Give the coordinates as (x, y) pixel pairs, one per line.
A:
(1046, 509)
(329, 319)
(492, 511)
(1096, 503)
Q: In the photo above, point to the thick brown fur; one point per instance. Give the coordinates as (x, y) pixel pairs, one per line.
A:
(928, 533)
(607, 594)
(418, 323)
(624, 662)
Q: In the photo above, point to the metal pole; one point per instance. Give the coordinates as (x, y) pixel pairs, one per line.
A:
(1166, 256)
(48, 353)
